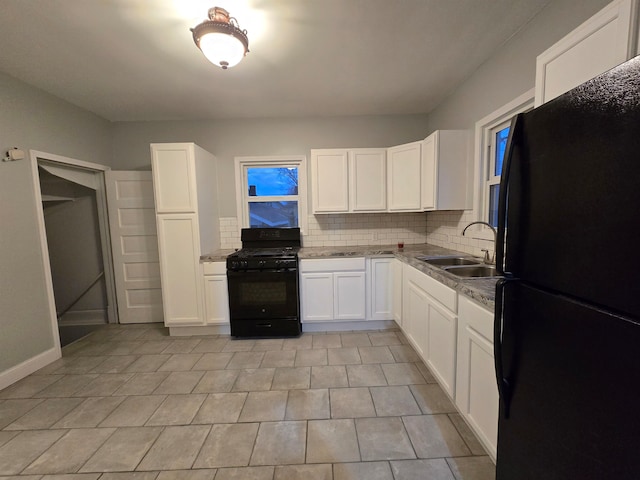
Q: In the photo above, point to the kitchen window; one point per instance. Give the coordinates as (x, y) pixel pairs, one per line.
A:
(492, 133)
(271, 191)
(497, 138)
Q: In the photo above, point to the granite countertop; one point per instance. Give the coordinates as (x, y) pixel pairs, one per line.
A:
(480, 289)
(218, 255)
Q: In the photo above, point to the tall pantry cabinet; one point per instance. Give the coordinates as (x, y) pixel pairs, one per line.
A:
(185, 190)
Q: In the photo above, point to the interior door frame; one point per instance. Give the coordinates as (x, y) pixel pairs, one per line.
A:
(103, 221)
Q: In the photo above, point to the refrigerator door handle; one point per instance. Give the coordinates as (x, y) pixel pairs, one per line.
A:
(504, 389)
(502, 199)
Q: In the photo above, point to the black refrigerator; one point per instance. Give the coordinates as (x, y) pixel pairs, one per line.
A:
(567, 326)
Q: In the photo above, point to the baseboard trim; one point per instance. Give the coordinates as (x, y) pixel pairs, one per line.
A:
(306, 327)
(203, 330)
(12, 375)
(84, 317)
(348, 326)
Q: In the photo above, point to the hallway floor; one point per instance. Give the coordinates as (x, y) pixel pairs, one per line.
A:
(130, 402)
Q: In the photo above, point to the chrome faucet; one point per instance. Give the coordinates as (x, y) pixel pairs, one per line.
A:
(487, 259)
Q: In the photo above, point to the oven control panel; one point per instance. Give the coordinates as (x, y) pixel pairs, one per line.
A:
(253, 263)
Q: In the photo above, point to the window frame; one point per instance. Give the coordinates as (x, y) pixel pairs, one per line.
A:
(483, 159)
(280, 161)
(490, 177)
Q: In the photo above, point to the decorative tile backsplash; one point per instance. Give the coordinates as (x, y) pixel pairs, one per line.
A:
(347, 229)
(365, 229)
(443, 229)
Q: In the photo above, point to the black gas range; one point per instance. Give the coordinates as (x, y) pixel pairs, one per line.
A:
(263, 283)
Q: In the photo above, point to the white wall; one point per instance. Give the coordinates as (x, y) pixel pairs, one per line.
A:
(271, 136)
(509, 73)
(32, 119)
(75, 253)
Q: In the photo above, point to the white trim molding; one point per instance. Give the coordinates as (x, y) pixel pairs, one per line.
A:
(33, 364)
(483, 126)
(276, 160)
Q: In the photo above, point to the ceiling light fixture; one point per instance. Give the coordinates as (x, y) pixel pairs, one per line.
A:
(220, 39)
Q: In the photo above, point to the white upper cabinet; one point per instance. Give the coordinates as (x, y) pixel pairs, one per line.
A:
(445, 162)
(348, 180)
(330, 177)
(368, 192)
(602, 42)
(414, 177)
(404, 177)
(174, 178)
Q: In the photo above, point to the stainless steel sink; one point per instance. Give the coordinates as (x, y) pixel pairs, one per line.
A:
(473, 271)
(450, 261)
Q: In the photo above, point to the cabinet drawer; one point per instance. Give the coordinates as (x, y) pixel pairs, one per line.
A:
(478, 317)
(445, 295)
(438, 291)
(332, 264)
(214, 268)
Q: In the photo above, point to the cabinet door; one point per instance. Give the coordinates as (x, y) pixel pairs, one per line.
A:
(404, 177)
(330, 182)
(441, 345)
(414, 313)
(349, 295)
(367, 185)
(216, 297)
(316, 297)
(397, 291)
(476, 390)
(429, 178)
(381, 293)
(174, 180)
(180, 269)
(602, 42)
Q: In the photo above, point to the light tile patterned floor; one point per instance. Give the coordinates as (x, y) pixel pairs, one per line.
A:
(131, 403)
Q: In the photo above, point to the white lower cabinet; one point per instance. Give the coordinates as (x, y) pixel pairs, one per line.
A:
(476, 390)
(332, 289)
(178, 241)
(316, 296)
(441, 345)
(396, 307)
(430, 323)
(380, 288)
(414, 310)
(216, 293)
(349, 296)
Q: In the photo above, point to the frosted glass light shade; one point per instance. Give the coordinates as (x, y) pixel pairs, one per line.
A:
(222, 49)
(220, 39)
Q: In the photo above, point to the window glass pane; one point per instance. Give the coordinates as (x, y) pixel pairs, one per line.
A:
(273, 214)
(501, 145)
(272, 181)
(494, 194)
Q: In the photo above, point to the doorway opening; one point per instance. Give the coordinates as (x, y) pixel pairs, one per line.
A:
(79, 251)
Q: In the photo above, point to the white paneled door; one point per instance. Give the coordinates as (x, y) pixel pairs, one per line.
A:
(132, 221)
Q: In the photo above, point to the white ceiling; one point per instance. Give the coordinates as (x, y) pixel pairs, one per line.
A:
(131, 60)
